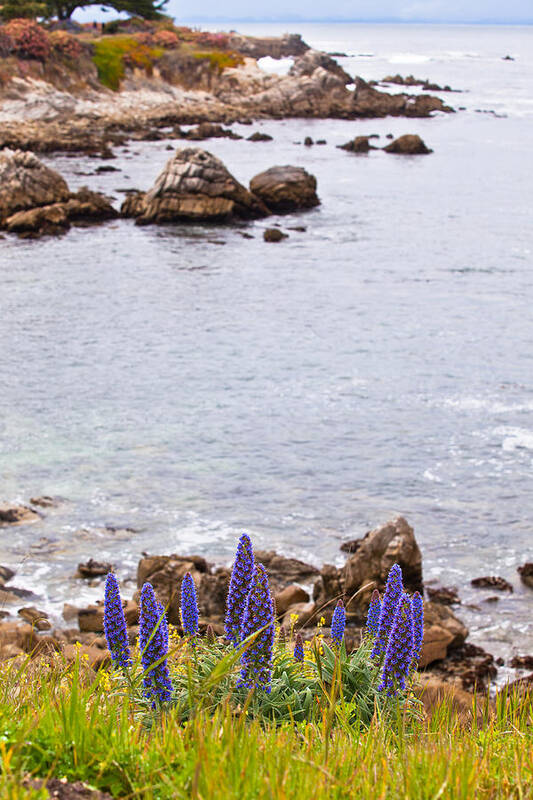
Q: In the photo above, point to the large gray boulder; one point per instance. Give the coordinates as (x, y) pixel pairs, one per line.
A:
(25, 182)
(194, 185)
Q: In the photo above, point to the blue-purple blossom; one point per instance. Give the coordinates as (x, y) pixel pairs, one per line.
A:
(399, 654)
(239, 587)
(153, 641)
(299, 648)
(418, 625)
(338, 623)
(391, 598)
(258, 616)
(115, 630)
(374, 611)
(189, 606)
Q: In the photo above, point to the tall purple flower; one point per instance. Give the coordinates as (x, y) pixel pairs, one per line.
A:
(374, 611)
(391, 598)
(399, 653)
(189, 606)
(418, 624)
(299, 648)
(241, 578)
(258, 616)
(338, 623)
(115, 630)
(154, 646)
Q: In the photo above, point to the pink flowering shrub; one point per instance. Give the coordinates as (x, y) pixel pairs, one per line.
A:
(29, 39)
(167, 39)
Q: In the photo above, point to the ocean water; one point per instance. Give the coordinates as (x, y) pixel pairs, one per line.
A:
(187, 383)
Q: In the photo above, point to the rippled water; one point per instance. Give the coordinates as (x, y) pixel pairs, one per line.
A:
(189, 383)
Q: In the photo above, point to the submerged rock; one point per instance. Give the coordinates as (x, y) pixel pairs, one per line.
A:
(274, 235)
(408, 145)
(526, 573)
(17, 515)
(259, 137)
(361, 144)
(195, 185)
(285, 188)
(492, 582)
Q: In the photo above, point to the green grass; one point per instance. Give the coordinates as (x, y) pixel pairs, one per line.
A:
(66, 721)
(113, 53)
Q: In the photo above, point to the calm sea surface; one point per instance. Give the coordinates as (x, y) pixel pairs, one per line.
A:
(190, 383)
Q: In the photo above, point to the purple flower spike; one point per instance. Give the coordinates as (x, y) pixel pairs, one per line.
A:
(391, 598)
(299, 648)
(374, 611)
(338, 623)
(157, 683)
(189, 606)
(418, 624)
(259, 612)
(115, 630)
(241, 578)
(399, 654)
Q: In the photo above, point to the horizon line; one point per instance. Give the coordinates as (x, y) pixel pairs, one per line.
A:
(340, 20)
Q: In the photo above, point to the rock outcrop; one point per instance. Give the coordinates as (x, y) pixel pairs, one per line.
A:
(408, 145)
(26, 183)
(195, 185)
(368, 567)
(36, 200)
(285, 188)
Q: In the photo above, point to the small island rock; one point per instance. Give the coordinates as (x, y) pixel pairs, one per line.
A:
(285, 188)
(408, 145)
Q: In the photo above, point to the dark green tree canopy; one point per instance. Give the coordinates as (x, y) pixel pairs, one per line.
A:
(148, 9)
(13, 9)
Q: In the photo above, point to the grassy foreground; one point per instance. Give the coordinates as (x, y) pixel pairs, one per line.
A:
(66, 721)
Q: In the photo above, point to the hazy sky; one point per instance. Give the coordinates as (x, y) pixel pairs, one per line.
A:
(408, 10)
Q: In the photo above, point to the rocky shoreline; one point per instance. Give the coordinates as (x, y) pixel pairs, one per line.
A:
(46, 111)
(305, 597)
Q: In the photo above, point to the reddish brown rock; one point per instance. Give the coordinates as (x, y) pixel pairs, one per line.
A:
(492, 582)
(38, 619)
(288, 597)
(300, 615)
(526, 574)
(368, 567)
(408, 145)
(93, 569)
(17, 515)
(361, 144)
(285, 188)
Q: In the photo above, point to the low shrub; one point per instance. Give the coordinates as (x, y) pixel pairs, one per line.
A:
(166, 39)
(220, 61)
(66, 45)
(219, 40)
(113, 55)
(29, 39)
(6, 43)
